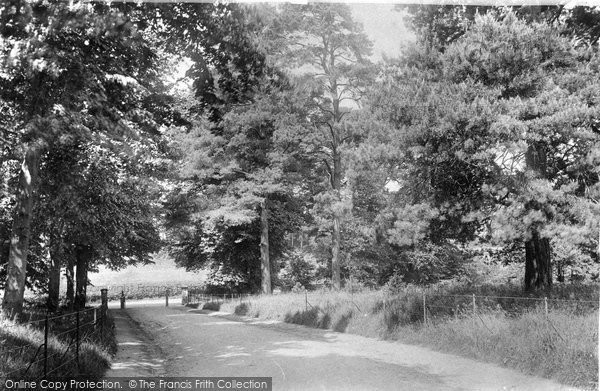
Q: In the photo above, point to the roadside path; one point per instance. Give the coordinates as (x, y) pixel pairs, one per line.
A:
(203, 343)
(137, 354)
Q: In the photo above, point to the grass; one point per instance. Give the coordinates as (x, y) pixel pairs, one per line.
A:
(22, 351)
(510, 329)
(561, 346)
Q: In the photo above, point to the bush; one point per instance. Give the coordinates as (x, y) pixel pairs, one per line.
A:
(429, 264)
(220, 281)
(298, 270)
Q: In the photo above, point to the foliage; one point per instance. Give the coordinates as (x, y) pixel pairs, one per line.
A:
(428, 264)
(80, 79)
(20, 342)
(491, 137)
(441, 25)
(297, 269)
(221, 40)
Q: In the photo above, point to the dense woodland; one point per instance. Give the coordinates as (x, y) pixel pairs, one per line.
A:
(263, 143)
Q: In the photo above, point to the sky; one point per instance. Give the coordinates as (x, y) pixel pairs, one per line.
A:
(384, 26)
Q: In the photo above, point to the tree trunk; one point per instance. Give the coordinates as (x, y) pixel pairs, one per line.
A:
(538, 262)
(538, 266)
(70, 274)
(82, 257)
(12, 301)
(54, 277)
(335, 253)
(336, 234)
(265, 265)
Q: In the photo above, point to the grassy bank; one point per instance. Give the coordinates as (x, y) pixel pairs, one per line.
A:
(517, 332)
(22, 350)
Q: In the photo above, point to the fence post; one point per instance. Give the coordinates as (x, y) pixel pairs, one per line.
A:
(167, 297)
(46, 345)
(103, 308)
(95, 317)
(546, 305)
(104, 297)
(122, 300)
(102, 313)
(184, 295)
(424, 310)
(78, 342)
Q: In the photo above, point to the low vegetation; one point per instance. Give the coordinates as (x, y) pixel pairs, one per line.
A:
(506, 327)
(22, 348)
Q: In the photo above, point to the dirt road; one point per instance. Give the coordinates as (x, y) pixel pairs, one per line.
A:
(199, 343)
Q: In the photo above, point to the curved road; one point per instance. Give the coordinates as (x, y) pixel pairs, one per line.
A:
(202, 343)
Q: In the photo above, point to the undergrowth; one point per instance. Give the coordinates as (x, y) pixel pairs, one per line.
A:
(22, 350)
(511, 329)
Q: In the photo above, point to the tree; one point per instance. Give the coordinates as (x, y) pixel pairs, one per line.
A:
(66, 74)
(236, 180)
(503, 130)
(331, 51)
(96, 207)
(440, 25)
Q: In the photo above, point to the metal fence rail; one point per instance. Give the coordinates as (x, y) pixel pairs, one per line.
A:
(54, 339)
(426, 307)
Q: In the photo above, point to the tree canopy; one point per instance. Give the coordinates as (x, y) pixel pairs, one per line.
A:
(264, 144)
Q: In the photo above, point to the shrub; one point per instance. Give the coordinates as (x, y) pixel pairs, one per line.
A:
(298, 270)
(429, 264)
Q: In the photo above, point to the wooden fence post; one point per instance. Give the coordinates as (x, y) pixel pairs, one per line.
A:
(104, 298)
(46, 344)
(78, 341)
(122, 300)
(184, 295)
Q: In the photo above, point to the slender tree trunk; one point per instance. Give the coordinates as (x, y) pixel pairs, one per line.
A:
(336, 234)
(70, 275)
(335, 253)
(265, 263)
(538, 262)
(54, 277)
(82, 257)
(12, 301)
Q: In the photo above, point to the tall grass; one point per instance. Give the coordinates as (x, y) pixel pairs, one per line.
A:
(22, 352)
(508, 330)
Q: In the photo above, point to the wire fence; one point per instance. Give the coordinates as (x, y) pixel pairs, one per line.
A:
(44, 342)
(419, 307)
